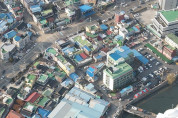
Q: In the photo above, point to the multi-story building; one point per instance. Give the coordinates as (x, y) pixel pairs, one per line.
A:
(168, 4)
(166, 22)
(118, 75)
(119, 16)
(62, 62)
(7, 50)
(172, 40)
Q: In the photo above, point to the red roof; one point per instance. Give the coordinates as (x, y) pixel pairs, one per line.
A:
(33, 97)
(16, 8)
(51, 19)
(13, 114)
(83, 55)
(105, 50)
(108, 32)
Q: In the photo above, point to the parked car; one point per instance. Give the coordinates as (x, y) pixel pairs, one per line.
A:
(2, 77)
(157, 63)
(140, 49)
(150, 65)
(151, 75)
(145, 67)
(152, 59)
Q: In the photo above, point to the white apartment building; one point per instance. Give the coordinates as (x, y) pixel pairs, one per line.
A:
(166, 22)
(7, 50)
(168, 4)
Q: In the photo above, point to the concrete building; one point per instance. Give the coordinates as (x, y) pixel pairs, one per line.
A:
(119, 16)
(7, 50)
(124, 53)
(166, 22)
(172, 40)
(79, 104)
(62, 62)
(168, 4)
(118, 75)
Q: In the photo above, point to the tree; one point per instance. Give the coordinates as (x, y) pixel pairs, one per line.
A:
(171, 78)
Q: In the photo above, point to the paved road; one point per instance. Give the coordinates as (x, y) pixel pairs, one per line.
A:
(43, 42)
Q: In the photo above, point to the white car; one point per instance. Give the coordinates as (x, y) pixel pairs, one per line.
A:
(150, 65)
(140, 70)
(157, 63)
(156, 72)
(152, 59)
(140, 49)
(2, 77)
(151, 75)
(149, 56)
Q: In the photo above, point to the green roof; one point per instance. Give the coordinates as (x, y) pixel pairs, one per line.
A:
(30, 107)
(31, 77)
(36, 63)
(9, 101)
(164, 58)
(43, 21)
(122, 68)
(47, 92)
(170, 15)
(173, 37)
(2, 111)
(52, 51)
(3, 51)
(47, 11)
(62, 59)
(50, 75)
(81, 41)
(42, 78)
(91, 35)
(43, 101)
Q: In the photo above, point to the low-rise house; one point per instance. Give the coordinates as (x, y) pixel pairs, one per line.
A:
(33, 97)
(64, 64)
(6, 21)
(43, 101)
(15, 7)
(80, 58)
(60, 76)
(42, 80)
(90, 88)
(13, 114)
(7, 100)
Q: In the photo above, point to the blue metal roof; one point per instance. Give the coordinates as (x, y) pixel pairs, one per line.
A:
(91, 69)
(85, 8)
(43, 112)
(115, 55)
(74, 76)
(78, 58)
(10, 34)
(17, 38)
(103, 27)
(87, 48)
(119, 37)
(89, 13)
(140, 57)
(125, 89)
(126, 50)
(2, 15)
